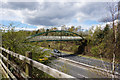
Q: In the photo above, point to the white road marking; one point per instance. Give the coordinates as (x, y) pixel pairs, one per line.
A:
(74, 65)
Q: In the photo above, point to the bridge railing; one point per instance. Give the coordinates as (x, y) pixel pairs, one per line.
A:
(29, 64)
(54, 38)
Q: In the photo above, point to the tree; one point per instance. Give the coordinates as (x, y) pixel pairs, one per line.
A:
(63, 27)
(37, 31)
(71, 29)
(114, 12)
(54, 28)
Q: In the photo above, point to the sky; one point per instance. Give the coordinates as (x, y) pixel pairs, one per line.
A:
(33, 15)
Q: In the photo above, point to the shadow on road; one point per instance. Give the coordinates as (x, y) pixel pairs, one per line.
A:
(68, 55)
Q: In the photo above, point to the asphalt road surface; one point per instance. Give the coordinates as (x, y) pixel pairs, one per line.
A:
(89, 61)
(74, 70)
(80, 71)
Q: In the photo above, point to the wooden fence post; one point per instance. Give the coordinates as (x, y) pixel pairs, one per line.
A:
(28, 68)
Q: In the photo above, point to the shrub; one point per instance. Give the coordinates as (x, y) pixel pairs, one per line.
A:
(94, 51)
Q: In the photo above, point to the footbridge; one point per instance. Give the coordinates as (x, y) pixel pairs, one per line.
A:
(56, 35)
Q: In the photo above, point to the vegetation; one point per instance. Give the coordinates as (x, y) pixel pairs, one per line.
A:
(101, 43)
(98, 43)
(14, 41)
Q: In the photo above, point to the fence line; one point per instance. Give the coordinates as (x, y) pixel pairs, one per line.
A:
(4, 73)
(15, 67)
(53, 72)
(8, 71)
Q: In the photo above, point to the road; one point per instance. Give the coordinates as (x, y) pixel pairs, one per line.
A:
(92, 62)
(88, 61)
(74, 70)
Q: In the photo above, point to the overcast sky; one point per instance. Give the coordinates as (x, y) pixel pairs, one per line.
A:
(35, 15)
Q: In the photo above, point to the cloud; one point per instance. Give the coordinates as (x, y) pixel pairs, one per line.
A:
(109, 18)
(20, 5)
(112, 9)
(17, 28)
(28, 29)
(94, 11)
(9, 14)
(40, 26)
(53, 13)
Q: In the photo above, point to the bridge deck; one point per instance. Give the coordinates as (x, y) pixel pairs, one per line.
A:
(55, 38)
(62, 36)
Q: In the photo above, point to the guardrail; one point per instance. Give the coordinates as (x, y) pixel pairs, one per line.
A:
(29, 64)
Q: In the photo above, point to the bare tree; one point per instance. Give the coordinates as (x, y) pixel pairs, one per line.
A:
(114, 9)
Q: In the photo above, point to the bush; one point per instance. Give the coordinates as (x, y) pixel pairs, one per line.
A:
(94, 51)
(98, 50)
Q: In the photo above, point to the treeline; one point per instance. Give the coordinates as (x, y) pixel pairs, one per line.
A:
(100, 42)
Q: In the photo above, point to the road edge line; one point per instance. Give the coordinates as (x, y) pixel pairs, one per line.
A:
(94, 67)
